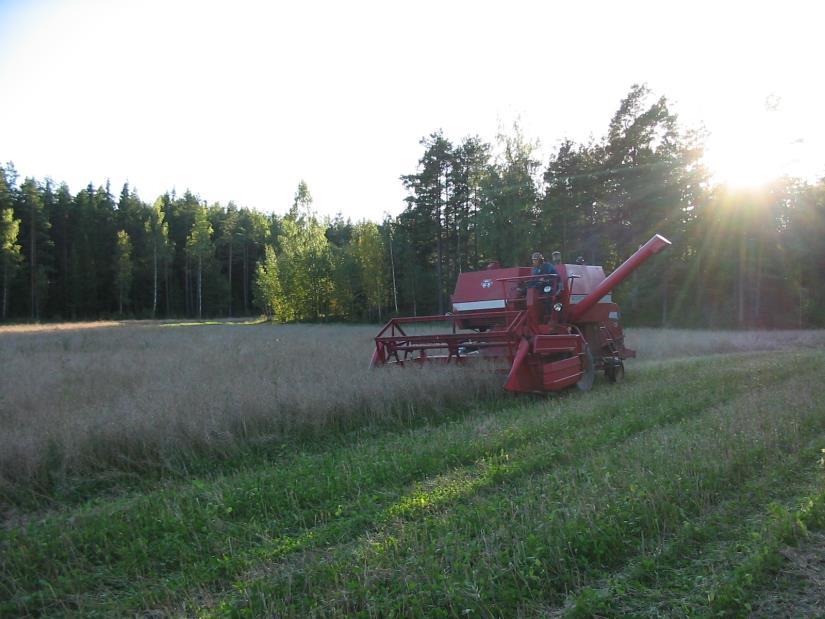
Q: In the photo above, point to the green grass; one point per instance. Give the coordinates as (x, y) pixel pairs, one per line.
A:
(671, 494)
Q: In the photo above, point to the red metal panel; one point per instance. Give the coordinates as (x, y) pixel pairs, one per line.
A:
(549, 344)
(588, 277)
(561, 374)
(484, 285)
(521, 377)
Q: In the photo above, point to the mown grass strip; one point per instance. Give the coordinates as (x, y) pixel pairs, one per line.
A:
(550, 533)
(678, 577)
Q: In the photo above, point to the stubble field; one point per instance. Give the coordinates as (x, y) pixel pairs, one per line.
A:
(250, 470)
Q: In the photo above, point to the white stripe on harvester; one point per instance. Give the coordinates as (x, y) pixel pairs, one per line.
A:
(479, 305)
(577, 298)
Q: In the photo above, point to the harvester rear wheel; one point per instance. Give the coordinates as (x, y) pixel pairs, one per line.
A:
(586, 381)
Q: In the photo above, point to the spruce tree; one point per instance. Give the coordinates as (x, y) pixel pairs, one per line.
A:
(35, 243)
(123, 269)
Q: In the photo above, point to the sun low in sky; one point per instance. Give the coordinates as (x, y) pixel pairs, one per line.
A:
(240, 101)
(764, 142)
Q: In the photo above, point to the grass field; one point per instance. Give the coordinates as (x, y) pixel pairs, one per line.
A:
(695, 488)
(147, 397)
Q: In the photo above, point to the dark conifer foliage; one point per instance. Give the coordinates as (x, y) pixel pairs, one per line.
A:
(739, 259)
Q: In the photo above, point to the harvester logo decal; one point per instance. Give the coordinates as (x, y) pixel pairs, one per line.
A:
(486, 283)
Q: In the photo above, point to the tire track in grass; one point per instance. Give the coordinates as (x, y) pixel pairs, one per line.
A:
(791, 583)
(461, 483)
(673, 578)
(595, 523)
(243, 520)
(290, 545)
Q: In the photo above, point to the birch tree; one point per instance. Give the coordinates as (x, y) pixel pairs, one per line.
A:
(267, 291)
(10, 254)
(157, 231)
(123, 269)
(199, 248)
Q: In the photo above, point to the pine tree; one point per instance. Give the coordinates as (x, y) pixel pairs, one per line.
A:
(427, 212)
(511, 194)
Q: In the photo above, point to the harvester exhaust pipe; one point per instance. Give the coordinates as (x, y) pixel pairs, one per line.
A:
(651, 248)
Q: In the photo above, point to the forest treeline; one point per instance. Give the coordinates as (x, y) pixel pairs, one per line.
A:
(739, 258)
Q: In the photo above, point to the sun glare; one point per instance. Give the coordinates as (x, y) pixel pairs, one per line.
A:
(751, 149)
(743, 165)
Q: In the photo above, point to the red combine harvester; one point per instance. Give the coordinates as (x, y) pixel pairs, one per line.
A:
(551, 331)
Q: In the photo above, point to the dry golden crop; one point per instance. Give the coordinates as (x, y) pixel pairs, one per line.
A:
(134, 394)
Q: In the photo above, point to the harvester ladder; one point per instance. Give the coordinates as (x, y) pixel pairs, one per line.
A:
(611, 343)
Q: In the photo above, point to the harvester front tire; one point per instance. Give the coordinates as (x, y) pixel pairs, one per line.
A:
(615, 373)
(586, 381)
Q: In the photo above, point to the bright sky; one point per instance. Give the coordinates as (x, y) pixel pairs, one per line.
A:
(241, 100)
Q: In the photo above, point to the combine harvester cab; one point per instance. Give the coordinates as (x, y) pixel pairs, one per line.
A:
(547, 332)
